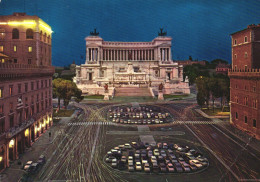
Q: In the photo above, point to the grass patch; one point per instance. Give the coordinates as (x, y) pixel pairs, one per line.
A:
(94, 97)
(168, 96)
(217, 111)
(63, 113)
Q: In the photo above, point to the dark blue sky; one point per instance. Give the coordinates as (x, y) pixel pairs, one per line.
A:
(199, 28)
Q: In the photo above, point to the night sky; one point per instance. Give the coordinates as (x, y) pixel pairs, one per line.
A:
(199, 28)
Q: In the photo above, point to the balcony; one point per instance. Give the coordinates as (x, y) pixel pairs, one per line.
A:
(11, 70)
(17, 129)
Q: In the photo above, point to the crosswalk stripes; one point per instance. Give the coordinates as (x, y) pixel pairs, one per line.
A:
(194, 122)
(90, 123)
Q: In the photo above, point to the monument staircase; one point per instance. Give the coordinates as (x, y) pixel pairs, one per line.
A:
(132, 92)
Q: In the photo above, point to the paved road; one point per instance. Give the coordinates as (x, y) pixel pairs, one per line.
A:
(77, 153)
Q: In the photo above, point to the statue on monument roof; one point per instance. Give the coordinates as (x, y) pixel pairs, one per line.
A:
(95, 33)
(162, 33)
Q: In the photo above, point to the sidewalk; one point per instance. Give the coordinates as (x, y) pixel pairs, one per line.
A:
(211, 117)
(15, 171)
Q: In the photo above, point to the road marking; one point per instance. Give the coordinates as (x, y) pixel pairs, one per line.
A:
(213, 153)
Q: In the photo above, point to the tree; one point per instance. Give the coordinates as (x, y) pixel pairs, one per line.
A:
(78, 95)
(190, 58)
(215, 90)
(200, 99)
(65, 89)
(203, 87)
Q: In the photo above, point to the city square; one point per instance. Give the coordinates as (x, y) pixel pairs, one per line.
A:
(129, 91)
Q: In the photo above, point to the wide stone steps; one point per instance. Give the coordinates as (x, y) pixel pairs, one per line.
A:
(132, 91)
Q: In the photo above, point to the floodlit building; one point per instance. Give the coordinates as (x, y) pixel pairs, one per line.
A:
(245, 80)
(25, 83)
(130, 65)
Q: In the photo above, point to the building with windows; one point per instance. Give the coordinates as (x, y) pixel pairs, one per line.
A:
(25, 83)
(131, 65)
(245, 80)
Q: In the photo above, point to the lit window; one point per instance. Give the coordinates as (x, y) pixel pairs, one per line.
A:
(10, 90)
(1, 92)
(245, 38)
(254, 123)
(1, 48)
(15, 48)
(245, 54)
(2, 61)
(245, 67)
(29, 49)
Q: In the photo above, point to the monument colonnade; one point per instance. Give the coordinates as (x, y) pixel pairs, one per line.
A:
(109, 54)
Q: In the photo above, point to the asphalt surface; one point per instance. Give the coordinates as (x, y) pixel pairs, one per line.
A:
(77, 152)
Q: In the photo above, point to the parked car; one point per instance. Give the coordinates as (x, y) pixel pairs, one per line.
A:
(138, 166)
(114, 163)
(170, 167)
(131, 168)
(196, 163)
(163, 167)
(147, 167)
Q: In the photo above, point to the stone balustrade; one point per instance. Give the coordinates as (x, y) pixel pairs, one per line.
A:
(10, 70)
(244, 72)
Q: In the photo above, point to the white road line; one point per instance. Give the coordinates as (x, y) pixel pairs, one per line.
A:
(213, 153)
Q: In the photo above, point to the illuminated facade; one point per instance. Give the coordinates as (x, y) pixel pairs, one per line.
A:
(129, 64)
(25, 83)
(245, 80)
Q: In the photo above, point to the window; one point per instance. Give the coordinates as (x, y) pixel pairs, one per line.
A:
(15, 48)
(255, 103)
(26, 87)
(1, 92)
(254, 89)
(2, 61)
(11, 121)
(236, 86)
(2, 34)
(15, 60)
(45, 83)
(42, 84)
(245, 54)
(37, 85)
(235, 56)
(235, 42)
(236, 115)
(32, 86)
(19, 88)
(245, 119)
(245, 38)
(1, 109)
(11, 107)
(29, 61)
(254, 122)
(1, 48)
(15, 33)
(29, 34)
(11, 90)
(29, 48)
(245, 67)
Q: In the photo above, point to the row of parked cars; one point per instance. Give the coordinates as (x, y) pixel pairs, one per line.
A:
(160, 157)
(143, 115)
(32, 167)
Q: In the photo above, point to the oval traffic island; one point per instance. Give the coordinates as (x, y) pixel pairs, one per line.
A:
(156, 158)
(143, 114)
